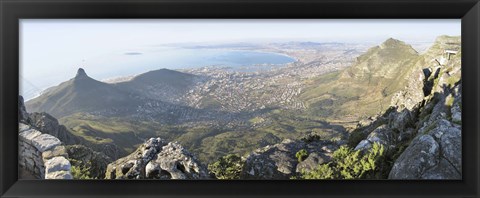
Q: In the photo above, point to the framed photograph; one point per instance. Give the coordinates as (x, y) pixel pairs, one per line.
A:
(239, 99)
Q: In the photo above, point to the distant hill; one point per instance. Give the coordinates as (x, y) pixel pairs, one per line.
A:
(85, 94)
(163, 84)
(80, 94)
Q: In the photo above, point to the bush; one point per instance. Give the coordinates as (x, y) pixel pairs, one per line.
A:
(349, 164)
(323, 171)
(301, 155)
(227, 167)
(80, 170)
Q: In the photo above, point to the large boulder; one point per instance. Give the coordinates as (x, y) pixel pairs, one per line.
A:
(279, 161)
(273, 162)
(382, 135)
(157, 159)
(437, 154)
(175, 162)
(422, 154)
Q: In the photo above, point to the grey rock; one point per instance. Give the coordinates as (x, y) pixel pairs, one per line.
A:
(451, 147)
(279, 161)
(179, 163)
(403, 120)
(456, 109)
(45, 142)
(273, 162)
(422, 154)
(23, 127)
(312, 162)
(381, 135)
(57, 164)
(406, 135)
(55, 152)
(152, 170)
(364, 145)
(22, 111)
(155, 159)
(29, 135)
(443, 170)
(59, 175)
(413, 92)
(49, 125)
(439, 110)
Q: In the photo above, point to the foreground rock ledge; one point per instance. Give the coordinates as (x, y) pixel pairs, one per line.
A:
(156, 159)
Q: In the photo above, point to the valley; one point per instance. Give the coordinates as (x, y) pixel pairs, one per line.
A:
(213, 111)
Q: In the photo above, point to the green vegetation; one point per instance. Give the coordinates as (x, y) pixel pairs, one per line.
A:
(321, 172)
(449, 100)
(227, 167)
(282, 124)
(301, 155)
(80, 171)
(349, 164)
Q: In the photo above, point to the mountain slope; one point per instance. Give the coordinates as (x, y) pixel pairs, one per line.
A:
(366, 87)
(81, 94)
(163, 84)
(422, 129)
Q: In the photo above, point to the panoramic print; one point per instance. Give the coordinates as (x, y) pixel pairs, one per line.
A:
(240, 99)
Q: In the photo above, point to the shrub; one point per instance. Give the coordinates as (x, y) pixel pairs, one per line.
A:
(301, 155)
(323, 171)
(80, 170)
(349, 164)
(227, 167)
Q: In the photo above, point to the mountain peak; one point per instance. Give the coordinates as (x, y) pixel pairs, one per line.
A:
(81, 73)
(391, 42)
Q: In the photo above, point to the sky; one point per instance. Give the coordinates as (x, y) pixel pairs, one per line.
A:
(51, 50)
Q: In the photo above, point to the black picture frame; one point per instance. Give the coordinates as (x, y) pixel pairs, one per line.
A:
(13, 10)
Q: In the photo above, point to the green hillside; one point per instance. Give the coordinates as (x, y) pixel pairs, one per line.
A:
(365, 88)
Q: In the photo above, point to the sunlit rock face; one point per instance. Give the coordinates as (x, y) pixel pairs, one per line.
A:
(157, 159)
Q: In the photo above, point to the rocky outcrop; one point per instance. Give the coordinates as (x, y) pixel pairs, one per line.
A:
(157, 159)
(435, 154)
(22, 111)
(43, 155)
(279, 161)
(422, 129)
(436, 151)
(47, 123)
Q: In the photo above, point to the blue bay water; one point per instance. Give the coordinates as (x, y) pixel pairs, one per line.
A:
(187, 59)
